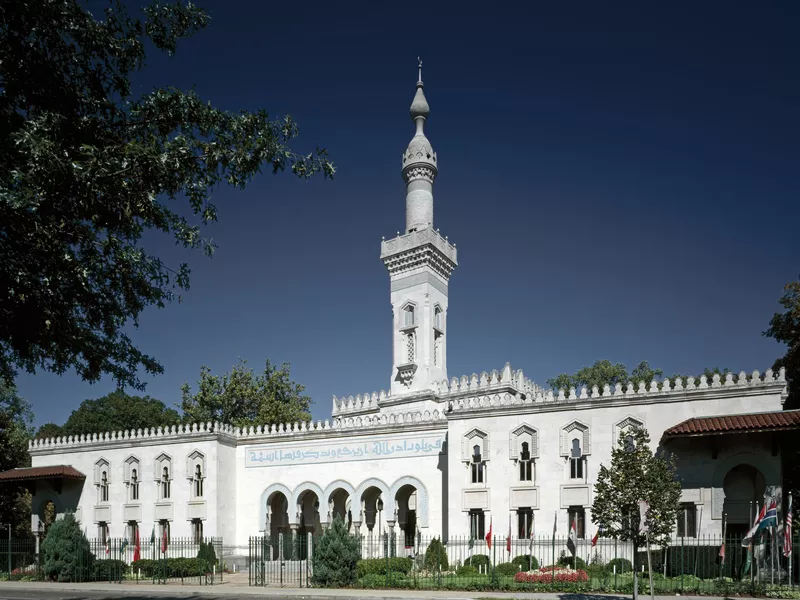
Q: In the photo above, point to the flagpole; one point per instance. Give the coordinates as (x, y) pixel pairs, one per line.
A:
(787, 522)
(755, 559)
(722, 551)
(696, 535)
(555, 523)
(771, 546)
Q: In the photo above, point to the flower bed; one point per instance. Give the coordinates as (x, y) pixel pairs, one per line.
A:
(547, 574)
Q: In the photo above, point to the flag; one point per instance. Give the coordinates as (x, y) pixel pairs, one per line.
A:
(596, 535)
(771, 517)
(164, 540)
(530, 535)
(508, 537)
(489, 535)
(787, 530)
(573, 539)
(123, 545)
(473, 530)
(722, 552)
(555, 522)
(643, 508)
(153, 535)
(748, 539)
(108, 543)
(137, 550)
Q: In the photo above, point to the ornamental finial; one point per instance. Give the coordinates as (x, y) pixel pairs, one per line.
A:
(419, 79)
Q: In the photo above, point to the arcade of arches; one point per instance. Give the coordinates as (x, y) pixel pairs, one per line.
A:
(371, 509)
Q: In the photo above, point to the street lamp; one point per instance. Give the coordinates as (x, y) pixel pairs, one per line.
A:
(379, 506)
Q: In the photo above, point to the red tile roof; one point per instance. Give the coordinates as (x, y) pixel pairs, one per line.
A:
(784, 420)
(27, 474)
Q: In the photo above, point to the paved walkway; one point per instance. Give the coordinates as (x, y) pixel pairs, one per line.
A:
(231, 589)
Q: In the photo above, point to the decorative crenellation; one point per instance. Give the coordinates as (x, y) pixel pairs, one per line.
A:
(506, 378)
(483, 397)
(409, 241)
(359, 404)
(178, 433)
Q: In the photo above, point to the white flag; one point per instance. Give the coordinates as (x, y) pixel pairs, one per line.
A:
(643, 508)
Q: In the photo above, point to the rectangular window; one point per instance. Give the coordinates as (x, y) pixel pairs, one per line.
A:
(577, 514)
(102, 532)
(524, 522)
(526, 470)
(477, 522)
(197, 530)
(163, 526)
(133, 526)
(409, 316)
(576, 468)
(687, 520)
(477, 472)
(134, 484)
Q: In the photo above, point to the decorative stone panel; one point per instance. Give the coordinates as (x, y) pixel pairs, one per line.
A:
(102, 514)
(522, 497)
(575, 495)
(621, 428)
(196, 509)
(164, 510)
(523, 433)
(132, 512)
(475, 499)
(474, 437)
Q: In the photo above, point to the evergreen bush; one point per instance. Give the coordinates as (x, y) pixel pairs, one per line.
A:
(336, 557)
(507, 569)
(66, 551)
(207, 553)
(466, 571)
(378, 566)
(572, 562)
(436, 556)
(623, 565)
(109, 569)
(479, 561)
(526, 562)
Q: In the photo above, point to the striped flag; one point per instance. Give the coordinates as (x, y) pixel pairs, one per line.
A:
(108, 541)
(771, 518)
(787, 530)
(572, 540)
(596, 535)
(530, 533)
(748, 539)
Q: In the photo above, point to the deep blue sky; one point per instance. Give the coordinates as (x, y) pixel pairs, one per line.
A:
(621, 180)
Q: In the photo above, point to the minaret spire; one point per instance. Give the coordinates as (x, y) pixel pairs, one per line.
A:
(419, 165)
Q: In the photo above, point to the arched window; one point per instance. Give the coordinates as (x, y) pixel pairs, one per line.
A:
(198, 481)
(437, 318)
(134, 484)
(408, 316)
(477, 464)
(165, 491)
(104, 487)
(525, 463)
(576, 460)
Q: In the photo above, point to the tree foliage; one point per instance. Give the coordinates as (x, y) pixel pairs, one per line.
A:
(784, 327)
(436, 556)
(116, 411)
(244, 398)
(604, 372)
(636, 473)
(66, 551)
(336, 556)
(87, 168)
(15, 430)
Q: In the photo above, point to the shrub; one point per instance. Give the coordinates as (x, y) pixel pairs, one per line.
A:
(479, 561)
(66, 551)
(110, 569)
(207, 553)
(174, 567)
(597, 571)
(526, 562)
(336, 557)
(576, 562)
(623, 565)
(378, 566)
(466, 571)
(436, 556)
(507, 569)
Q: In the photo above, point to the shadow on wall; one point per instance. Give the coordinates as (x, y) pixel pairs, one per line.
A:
(442, 466)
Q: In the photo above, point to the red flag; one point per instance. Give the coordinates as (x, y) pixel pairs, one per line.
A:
(508, 538)
(722, 551)
(787, 530)
(164, 541)
(489, 535)
(137, 548)
(594, 539)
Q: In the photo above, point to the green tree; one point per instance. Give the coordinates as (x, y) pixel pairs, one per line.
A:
(50, 430)
(600, 373)
(88, 168)
(117, 411)
(67, 556)
(336, 556)
(635, 474)
(784, 327)
(244, 398)
(16, 429)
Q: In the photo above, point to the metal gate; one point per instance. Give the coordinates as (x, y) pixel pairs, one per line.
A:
(281, 560)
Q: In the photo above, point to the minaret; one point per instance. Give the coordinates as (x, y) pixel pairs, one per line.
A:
(420, 263)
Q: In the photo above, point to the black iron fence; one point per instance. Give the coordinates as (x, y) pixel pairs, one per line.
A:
(116, 560)
(541, 564)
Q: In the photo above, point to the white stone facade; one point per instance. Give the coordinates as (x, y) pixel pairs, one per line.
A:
(432, 456)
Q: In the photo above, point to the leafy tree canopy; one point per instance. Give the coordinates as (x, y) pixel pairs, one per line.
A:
(244, 398)
(636, 473)
(784, 327)
(16, 421)
(87, 168)
(116, 411)
(604, 372)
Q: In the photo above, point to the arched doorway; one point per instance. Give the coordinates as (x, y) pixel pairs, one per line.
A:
(277, 523)
(339, 506)
(406, 502)
(375, 521)
(744, 486)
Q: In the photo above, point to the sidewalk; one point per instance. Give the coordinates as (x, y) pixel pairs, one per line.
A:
(225, 590)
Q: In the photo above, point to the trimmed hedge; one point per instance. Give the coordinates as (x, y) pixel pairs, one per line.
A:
(526, 562)
(466, 571)
(207, 553)
(175, 567)
(623, 565)
(378, 566)
(507, 569)
(479, 561)
(109, 569)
